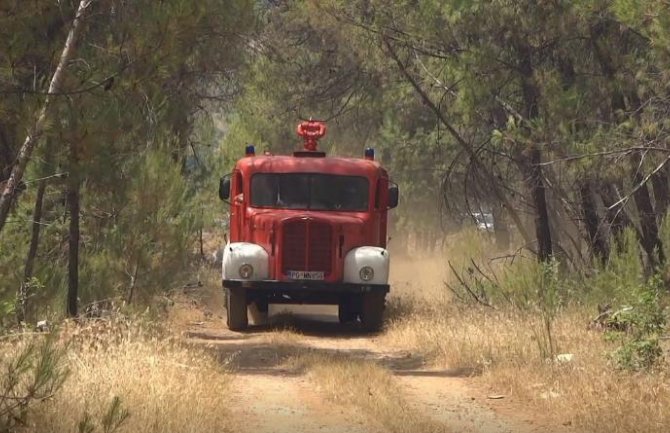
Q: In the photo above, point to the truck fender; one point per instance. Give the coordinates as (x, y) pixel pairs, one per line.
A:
(237, 254)
(375, 257)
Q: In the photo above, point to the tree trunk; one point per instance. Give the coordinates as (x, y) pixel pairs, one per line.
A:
(501, 229)
(617, 218)
(73, 204)
(73, 248)
(659, 182)
(650, 240)
(22, 298)
(536, 185)
(597, 241)
(532, 155)
(37, 130)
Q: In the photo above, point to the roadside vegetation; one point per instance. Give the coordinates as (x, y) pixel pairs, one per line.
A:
(549, 118)
(590, 353)
(110, 376)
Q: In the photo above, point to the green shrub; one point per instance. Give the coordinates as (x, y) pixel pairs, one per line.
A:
(637, 329)
(32, 375)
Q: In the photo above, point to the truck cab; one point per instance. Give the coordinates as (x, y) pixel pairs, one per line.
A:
(307, 229)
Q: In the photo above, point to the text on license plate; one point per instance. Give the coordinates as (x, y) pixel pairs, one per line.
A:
(305, 275)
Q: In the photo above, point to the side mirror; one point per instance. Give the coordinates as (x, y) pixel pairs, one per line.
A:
(393, 195)
(224, 188)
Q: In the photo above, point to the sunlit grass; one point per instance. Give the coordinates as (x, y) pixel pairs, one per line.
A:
(164, 386)
(500, 346)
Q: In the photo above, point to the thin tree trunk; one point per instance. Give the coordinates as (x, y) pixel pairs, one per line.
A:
(536, 186)
(617, 218)
(73, 248)
(22, 298)
(535, 180)
(597, 241)
(650, 240)
(133, 282)
(659, 182)
(37, 130)
(500, 228)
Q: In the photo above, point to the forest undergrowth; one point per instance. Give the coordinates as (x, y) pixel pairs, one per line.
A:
(542, 336)
(109, 376)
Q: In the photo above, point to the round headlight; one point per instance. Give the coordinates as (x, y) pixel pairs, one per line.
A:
(246, 271)
(366, 273)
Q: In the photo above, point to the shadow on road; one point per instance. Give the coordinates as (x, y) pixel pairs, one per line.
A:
(264, 350)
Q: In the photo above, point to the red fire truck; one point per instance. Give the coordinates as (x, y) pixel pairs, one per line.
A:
(307, 229)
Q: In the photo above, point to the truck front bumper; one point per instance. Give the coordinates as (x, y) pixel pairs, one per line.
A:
(312, 292)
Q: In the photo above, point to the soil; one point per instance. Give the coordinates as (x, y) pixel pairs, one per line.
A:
(269, 396)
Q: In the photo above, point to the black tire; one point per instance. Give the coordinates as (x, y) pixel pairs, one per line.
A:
(258, 311)
(236, 303)
(372, 317)
(345, 313)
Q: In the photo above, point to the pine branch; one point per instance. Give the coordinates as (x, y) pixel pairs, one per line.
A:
(31, 141)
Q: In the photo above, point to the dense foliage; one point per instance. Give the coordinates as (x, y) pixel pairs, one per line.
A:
(120, 151)
(551, 115)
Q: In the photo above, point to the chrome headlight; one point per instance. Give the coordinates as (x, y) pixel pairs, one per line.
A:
(366, 273)
(246, 271)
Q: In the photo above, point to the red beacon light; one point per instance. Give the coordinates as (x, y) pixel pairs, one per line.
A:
(311, 131)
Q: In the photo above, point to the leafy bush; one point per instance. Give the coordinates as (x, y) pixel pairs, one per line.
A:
(638, 328)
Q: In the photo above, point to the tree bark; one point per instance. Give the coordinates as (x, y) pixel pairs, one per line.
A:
(617, 218)
(595, 237)
(22, 298)
(37, 130)
(536, 185)
(73, 248)
(659, 182)
(531, 157)
(650, 239)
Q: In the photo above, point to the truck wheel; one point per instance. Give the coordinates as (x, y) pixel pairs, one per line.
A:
(258, 310)
(236, 303)
(345, 314)
(373, 311)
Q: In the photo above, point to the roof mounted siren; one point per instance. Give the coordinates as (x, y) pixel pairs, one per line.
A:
(250, 150)
(311, 131)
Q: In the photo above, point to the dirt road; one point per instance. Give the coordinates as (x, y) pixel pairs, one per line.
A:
(271, 394)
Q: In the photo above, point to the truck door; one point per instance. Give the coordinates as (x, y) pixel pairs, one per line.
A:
(381, 208)
(237, 207)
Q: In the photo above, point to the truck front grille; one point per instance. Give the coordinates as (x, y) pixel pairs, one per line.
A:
(307, 246)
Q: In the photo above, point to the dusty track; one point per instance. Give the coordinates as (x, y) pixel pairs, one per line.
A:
(270, 395)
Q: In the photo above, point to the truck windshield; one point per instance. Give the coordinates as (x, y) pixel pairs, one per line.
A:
(309, 191)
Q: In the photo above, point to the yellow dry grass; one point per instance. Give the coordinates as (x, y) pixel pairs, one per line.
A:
(501, 347)
(367, 387)
(164, 386)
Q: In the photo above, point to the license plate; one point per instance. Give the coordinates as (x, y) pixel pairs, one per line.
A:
(305, 275)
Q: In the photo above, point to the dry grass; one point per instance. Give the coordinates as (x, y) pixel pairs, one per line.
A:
(164, 386)
(502, 346)
(367, 387)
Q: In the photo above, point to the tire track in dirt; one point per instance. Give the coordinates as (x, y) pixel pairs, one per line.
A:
(283, 403)
(269, 396)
